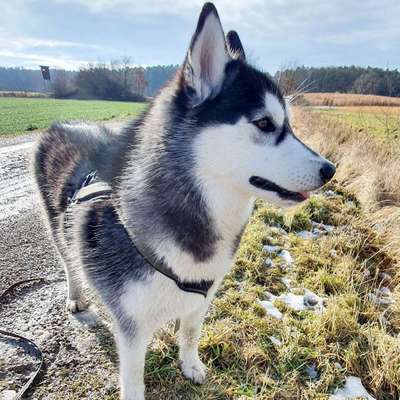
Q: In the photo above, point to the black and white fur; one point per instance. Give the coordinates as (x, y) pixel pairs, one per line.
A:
(184, 178)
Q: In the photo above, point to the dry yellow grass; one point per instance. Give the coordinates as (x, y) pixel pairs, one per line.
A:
(344, 99)
(368, 166)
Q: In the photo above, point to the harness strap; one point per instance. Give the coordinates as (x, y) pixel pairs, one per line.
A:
(92, 189)
(200, 287)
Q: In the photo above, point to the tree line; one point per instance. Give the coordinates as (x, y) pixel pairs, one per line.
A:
(346, 79)
(117, 80)
(120, 80)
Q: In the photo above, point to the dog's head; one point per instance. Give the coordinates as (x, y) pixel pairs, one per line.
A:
(245, 136)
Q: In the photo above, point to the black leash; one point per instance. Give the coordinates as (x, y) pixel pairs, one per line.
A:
(30, 342)
(94, 189)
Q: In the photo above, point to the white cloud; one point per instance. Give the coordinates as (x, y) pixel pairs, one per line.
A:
(17, 49)
(31, 52)
(33, 60)
(277, 19)
(20, 43)
(299, 28)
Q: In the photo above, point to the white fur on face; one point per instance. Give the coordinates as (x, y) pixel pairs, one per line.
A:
(234, 153)
(275, 109)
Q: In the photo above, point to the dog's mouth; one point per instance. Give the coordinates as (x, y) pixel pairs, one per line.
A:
(269, 186)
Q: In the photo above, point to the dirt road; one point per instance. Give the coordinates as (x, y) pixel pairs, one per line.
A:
(37, 311)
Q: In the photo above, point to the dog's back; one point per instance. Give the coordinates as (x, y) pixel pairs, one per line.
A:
(64, 157)
(66, 154)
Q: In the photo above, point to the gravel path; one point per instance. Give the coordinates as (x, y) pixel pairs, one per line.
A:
(37, 311)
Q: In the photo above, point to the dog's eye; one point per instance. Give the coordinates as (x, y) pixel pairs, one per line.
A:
(265, 124)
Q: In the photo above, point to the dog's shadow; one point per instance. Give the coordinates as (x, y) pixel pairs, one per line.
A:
(98, 324)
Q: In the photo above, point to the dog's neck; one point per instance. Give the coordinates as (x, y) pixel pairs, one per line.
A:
(186, 219)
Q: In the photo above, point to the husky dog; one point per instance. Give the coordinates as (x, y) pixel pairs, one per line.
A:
(152, 216)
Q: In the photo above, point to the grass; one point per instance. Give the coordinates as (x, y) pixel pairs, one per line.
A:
(243, 362)
(21, 115)
(344, 99)
(379, 121)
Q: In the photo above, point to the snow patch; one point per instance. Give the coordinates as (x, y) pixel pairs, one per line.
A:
(294, 301)
(286, 257)
(269, 263)
(287, 282)
(307, 301)
(318, 230)
(330, 193)
(270, 309)
(283, 254)
(275, 341)
(8, 395)
(352, 389)
(367, 273)
(307, 235)
(381, 297)
(271, 249)
(312, 372)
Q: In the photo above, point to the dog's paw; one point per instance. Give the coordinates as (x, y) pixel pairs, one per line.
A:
(75, 306)
(196, 372)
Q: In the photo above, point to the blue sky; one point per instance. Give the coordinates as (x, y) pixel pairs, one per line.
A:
(70, 33)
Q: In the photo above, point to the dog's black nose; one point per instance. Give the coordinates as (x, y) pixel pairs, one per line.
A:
(327, 171)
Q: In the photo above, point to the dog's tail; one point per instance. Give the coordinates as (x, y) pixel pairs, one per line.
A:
(62, 160)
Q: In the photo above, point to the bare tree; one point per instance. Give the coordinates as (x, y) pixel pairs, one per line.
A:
(62, 86)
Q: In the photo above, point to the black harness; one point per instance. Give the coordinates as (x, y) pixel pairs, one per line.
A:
(94, 189)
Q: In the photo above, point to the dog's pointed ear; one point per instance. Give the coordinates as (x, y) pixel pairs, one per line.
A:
(235, 46)
(204, 67)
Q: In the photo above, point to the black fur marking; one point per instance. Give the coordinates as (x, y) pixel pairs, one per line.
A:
(242, 93)
(110, 259)
(112, 252)
(171, 189)
(283, 133)
(265, 184)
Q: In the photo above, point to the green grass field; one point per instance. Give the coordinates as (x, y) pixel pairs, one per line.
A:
(20, 115)
(378, 121)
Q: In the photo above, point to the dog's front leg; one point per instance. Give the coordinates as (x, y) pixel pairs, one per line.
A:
(188, 338)
(132, 351)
